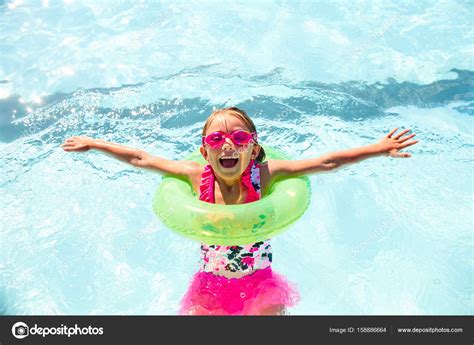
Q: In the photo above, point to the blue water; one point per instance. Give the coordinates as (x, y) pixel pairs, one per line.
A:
(386, 236)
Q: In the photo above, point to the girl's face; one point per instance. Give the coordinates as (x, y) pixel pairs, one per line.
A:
(229, 169)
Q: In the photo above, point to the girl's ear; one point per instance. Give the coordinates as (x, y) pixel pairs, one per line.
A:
(255, 151)
(204, 153)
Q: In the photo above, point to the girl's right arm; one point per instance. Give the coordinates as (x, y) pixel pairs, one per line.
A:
(136, 157)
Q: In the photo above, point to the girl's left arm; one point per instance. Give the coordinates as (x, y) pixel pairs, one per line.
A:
(388, 146)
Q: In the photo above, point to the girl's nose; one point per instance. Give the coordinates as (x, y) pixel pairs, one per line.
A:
(228, 144)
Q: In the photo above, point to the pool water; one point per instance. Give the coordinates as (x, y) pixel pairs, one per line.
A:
(386, 236)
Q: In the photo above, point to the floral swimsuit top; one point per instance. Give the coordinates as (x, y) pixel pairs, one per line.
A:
(245, 258)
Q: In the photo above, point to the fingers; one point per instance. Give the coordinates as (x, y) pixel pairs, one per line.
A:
(390, 134)
(400, 155)
(70, 146)
(401, 134)
(67, 147)
(70, 141)
(406, 138)
(73, 138)
(73, 149)
(410, 143)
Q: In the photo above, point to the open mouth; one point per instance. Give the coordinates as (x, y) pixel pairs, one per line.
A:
(228, 162)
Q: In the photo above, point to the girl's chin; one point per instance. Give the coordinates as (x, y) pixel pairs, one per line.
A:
(230, 171)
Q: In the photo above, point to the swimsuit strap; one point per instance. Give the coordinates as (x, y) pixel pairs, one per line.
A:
(251, 182)
(207, 185)
(250, 179)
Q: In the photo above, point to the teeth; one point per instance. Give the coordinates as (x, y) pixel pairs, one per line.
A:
(228, 157)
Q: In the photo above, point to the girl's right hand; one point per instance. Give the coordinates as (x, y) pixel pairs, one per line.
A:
(76, 143)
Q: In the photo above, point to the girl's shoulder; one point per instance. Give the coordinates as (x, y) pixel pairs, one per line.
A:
(194, 172)
(271, 169)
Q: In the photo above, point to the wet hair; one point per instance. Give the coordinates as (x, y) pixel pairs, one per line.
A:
(240, 114)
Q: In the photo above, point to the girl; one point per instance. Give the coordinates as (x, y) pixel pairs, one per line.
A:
(238, 280)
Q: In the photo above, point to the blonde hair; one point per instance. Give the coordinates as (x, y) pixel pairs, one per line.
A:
(240, 114)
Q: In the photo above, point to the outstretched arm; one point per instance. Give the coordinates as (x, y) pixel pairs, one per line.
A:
(136, 157)
(388, 146)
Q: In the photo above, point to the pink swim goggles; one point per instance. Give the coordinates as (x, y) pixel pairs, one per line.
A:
(238, 137)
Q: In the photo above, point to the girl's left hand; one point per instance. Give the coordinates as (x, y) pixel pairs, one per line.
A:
(392, 145)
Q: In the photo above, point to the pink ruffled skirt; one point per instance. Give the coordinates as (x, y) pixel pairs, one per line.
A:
(210, 294)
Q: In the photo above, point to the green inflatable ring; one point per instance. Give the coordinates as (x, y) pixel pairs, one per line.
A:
(180, 209)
